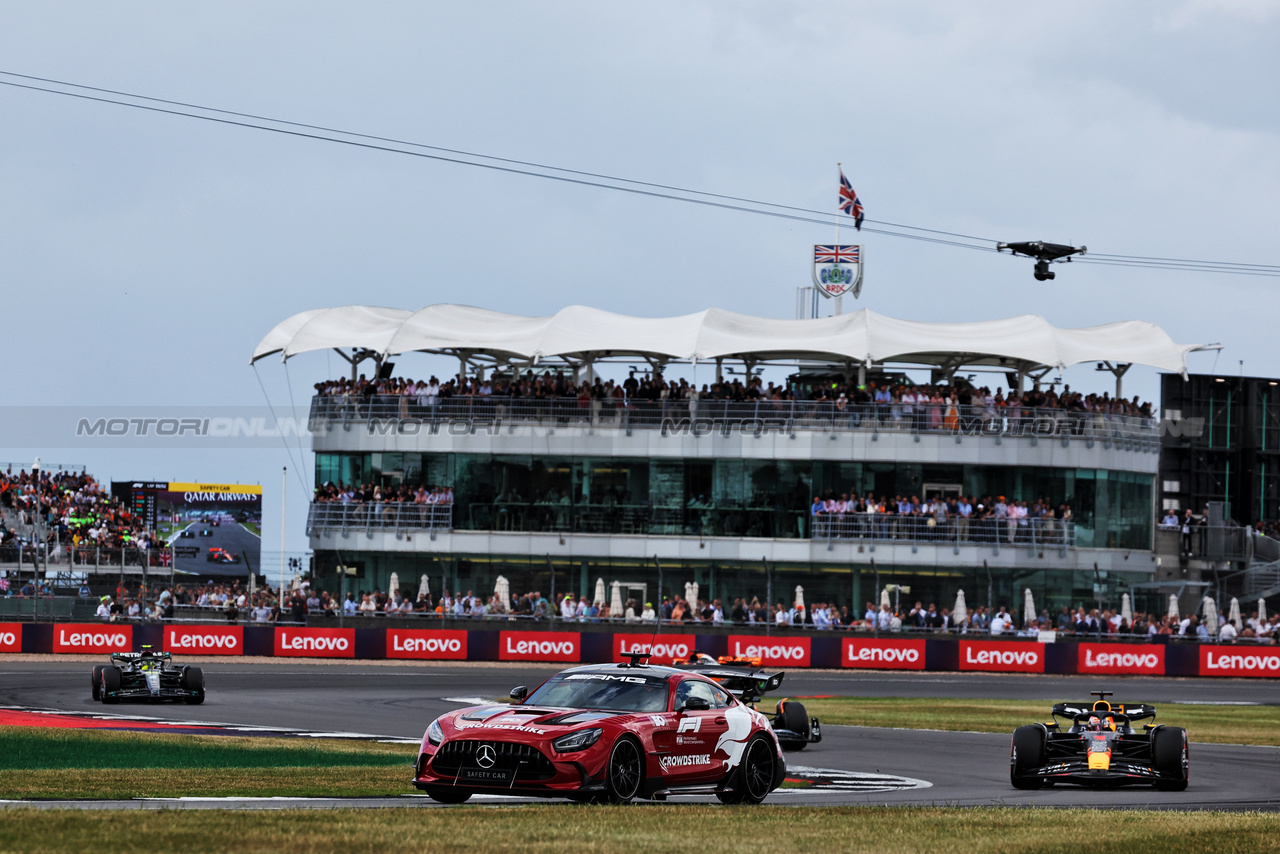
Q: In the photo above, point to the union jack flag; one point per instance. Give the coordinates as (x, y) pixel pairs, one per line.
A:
(836, 254)
(849, 202)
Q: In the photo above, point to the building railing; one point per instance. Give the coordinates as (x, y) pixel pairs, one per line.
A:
(394, 516)
(692, 520)
(1026, 532)
(402, 414)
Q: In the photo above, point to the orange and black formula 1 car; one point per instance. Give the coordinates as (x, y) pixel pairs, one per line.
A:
(1100, 744)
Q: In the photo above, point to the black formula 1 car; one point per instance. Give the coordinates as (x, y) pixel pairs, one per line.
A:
(744, 679)
(1097, 744)
(205, 532)
(187, 534)
(148, 676)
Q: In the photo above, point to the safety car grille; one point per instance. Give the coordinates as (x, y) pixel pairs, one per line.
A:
(528, 761)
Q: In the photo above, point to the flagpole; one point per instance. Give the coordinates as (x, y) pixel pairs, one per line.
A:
(839, 307)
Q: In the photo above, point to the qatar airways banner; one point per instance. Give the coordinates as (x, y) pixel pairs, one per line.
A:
(1239, 661)
(1002, 657)
(662, 649)
(205, 640)
(1120, 658)
(431, 644)
(883, 653)
(316, 643)
(540, 646)
(92, 637)
(772, 651)
(10, 637)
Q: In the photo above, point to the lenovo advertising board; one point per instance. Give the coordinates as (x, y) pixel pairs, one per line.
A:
(1120, 659)
(662, 649)
(92, 637)
(772, 651)
(204, 640)
(540, 646)
(1002, 657)
(427, 644)
(883, 653)
(10, 637)
(1239, 661)
(316, 643)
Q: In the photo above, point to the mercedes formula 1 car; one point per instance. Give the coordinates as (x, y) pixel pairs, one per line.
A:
(148, 675)
(1098, 745)
(611, 733)
(744, 679)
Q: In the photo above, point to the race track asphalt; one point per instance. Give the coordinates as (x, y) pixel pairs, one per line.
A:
(960, 768)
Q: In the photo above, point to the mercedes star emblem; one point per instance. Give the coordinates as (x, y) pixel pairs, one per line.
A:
(485, 756)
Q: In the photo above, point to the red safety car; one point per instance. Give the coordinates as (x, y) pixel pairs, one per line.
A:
(607, 732)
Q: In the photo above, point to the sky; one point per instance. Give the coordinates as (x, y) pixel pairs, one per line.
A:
(144, 255)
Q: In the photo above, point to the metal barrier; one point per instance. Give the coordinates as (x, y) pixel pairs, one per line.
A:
(402, 414)
(396, 516)
(1027, 532)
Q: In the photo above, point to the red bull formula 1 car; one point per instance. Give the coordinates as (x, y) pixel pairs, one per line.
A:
(1100, 744)
(610, 733)
(744, 679)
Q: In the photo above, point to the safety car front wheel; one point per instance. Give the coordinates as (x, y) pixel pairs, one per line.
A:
(625, 771)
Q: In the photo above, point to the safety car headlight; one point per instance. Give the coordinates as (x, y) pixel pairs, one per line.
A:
(435, 735)
(580, 740)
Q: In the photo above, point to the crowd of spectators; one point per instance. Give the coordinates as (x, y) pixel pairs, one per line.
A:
(984, 519)
(74, 509)
(372, 493)
(923, 407)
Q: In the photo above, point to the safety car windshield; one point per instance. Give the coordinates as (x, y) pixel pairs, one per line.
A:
(616, 693)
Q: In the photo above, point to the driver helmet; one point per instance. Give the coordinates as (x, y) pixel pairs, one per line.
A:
(1095, 722)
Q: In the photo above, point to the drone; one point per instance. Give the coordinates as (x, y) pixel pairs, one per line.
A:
(1044, 253)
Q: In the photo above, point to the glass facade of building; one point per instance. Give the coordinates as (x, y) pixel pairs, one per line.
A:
(730, 497)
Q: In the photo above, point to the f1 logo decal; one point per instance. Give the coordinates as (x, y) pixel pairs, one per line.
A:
(690, 724)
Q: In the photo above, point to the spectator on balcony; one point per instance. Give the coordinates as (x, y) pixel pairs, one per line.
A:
(1001, 622)
(349, 607)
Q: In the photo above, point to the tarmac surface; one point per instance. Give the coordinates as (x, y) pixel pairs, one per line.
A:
(852, 765)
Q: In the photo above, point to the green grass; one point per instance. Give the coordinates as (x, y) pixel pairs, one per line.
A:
(555, 829)
(254, 528)
(48, 763)
(1220, 724)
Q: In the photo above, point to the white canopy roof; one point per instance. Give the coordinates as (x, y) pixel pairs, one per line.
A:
(579, 333)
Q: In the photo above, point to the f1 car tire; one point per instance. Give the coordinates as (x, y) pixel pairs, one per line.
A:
(795, 717)
(110, 684)
(1169, 756)
(624, 774)
(755, 775)
(448, 795)
(193, 680)
(95, 682)
(1026, 754)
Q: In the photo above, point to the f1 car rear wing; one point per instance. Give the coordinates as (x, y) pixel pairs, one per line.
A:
(744, 683)
(1132, 711)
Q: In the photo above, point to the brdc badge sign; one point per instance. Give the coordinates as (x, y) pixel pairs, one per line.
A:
(837, 269)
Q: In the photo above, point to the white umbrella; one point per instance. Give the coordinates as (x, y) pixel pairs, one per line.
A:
(424, 587)
(394, 586)
(799, 595)
(599, 597)
(502, 592)
(297, 582)
(1028, 607)
(1173, 606)
(691, 594)
(960, 613)
(1126, 611)
(1262, 609)
(615, 599)
(884, 598)
(1210, 615)
(1234, 614)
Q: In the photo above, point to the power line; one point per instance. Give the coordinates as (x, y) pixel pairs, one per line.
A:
(602, 180)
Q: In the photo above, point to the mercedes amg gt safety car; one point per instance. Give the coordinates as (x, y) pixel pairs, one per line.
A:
(147, 676)
(1098, 744)
(611, 733)
(743, 678)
